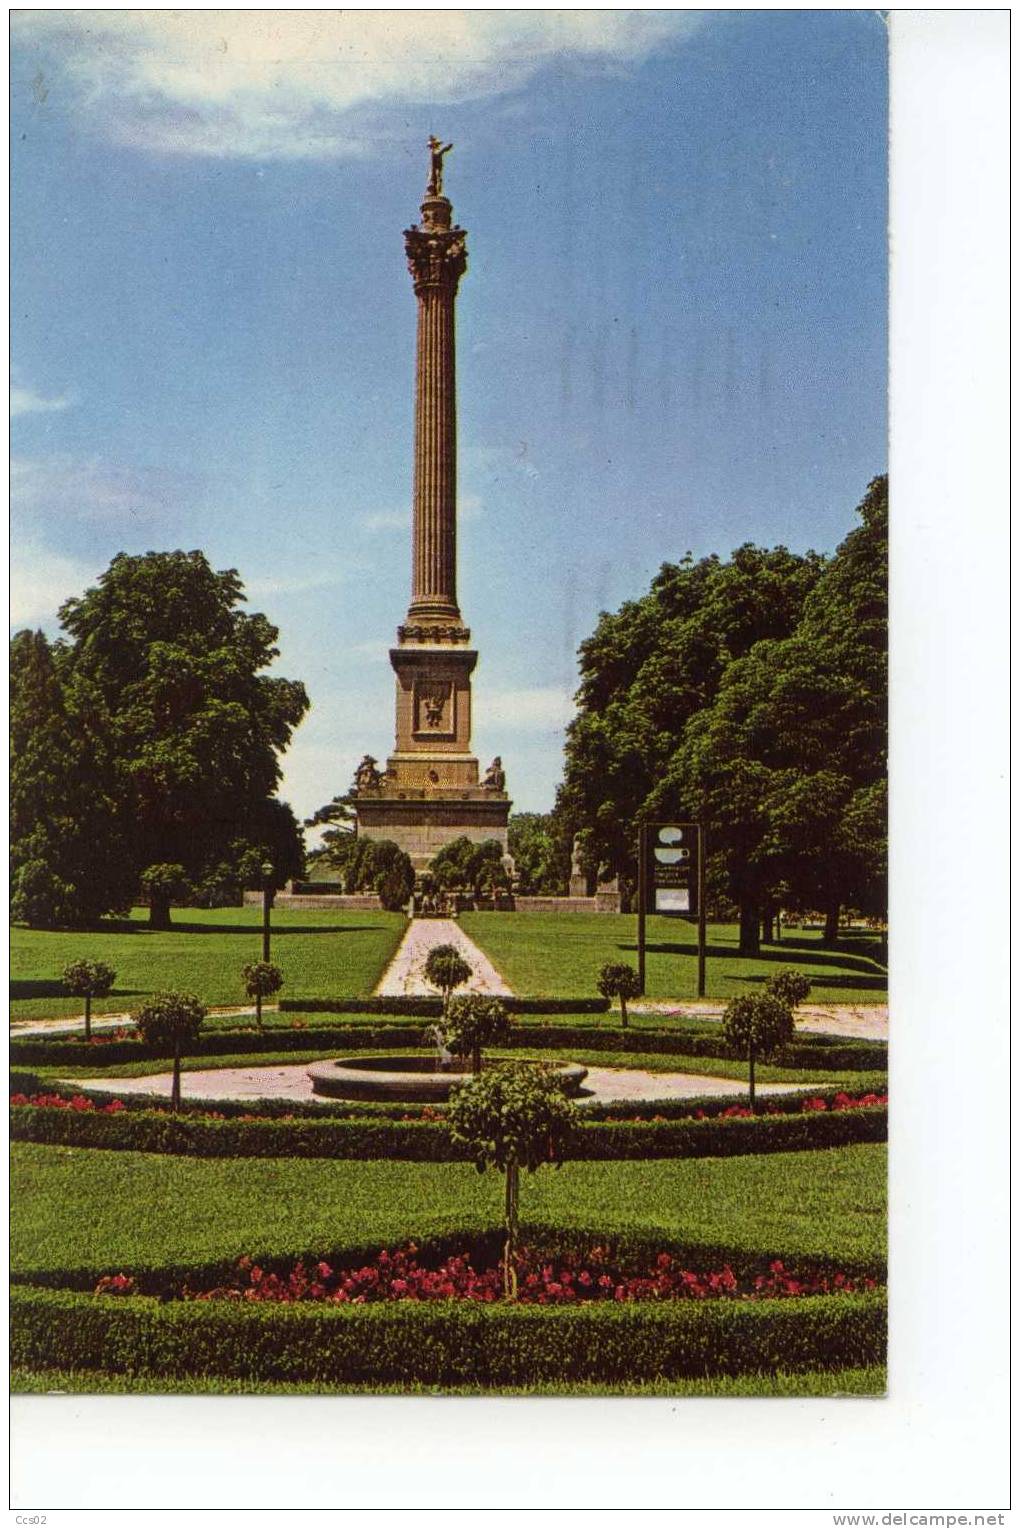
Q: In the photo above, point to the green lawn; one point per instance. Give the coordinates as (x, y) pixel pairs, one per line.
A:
(83, 1209)
(559, 954)
(867, 1381)
(321, 953)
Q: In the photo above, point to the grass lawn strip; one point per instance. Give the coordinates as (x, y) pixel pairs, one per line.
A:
(869, 1380)
(77, 1209)
(561, 953)
(318, 950)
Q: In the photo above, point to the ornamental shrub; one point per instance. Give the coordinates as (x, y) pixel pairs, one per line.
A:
(756, 1025)
(512, 1117)
(618, 980)
(789, 987)
(474, 1021)
(88, 980)
(169, 1022)
(446, 969)
(261, 980)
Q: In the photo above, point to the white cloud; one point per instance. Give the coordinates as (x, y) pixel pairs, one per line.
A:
(40, 583)
(541, 708)
(287, 84)
(28, 401)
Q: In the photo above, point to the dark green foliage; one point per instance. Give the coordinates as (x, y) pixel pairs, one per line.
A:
(366, 865)
(446, 969)
(68, 858)
(749, 696)
(828, 1053)
(427, 1007)
(472, 1022)
(139, 1129)
(618, 980)
(466, 864)
(790, 987)
(175, 733)
(88, 980)
(756, 1025)
(447, 1342)
(169, 1024)
(510, 1118)
(261, 980)
(541, 853)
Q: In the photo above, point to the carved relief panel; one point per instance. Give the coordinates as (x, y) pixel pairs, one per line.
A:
(434, 709)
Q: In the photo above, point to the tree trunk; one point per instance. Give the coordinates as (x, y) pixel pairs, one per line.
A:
(159, 911)
(830, 935)
(258, 1010)
(476, 1060)
(750, 1075)
(175, 1088)
(767, 929)
(510, 1246)
(623, 1011)
(88, 1017)
(750, 943)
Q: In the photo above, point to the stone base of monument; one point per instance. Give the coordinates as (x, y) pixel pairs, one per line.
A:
(411, 1079)
(423, 820)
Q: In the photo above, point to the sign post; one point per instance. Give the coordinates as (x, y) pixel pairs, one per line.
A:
(671, 881)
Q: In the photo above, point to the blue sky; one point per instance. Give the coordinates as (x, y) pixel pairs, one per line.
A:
(671, 335)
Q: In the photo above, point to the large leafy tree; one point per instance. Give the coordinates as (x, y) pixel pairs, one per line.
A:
(541, 853)
(161, 690)
(787, 766)
(651, 667)
(69, 860)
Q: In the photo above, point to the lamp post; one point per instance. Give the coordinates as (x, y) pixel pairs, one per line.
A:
(267, 903)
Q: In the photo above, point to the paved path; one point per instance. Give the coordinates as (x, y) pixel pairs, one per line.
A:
(70, 1026)
(602, 1084)
(405, 975)
(869, 1021)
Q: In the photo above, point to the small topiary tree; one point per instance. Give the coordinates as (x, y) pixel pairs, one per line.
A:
(756, 1025)
(789, 987)
(618, 980)
(513, 1116)
(474, 1021)
(88, 980)
(446, 969)
(261, 980)
(168, 1023)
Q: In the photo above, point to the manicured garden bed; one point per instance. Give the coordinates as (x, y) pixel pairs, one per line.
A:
(719, 1132)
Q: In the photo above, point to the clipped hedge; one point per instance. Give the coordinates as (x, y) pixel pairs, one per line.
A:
(816, 1051)
(443, 1343)
(429, 1141)
(432, 1008)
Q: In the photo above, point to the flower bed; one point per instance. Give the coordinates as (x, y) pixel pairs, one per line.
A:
(566, 1280)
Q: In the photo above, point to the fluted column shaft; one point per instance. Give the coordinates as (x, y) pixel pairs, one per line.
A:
(437, 259)
(434, 560)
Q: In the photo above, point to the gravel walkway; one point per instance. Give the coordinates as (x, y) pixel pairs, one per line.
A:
(68, 1026)
(292, 1082)
(405, 975)
(868, 1021)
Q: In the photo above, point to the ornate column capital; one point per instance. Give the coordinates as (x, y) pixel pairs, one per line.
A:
(436, 258)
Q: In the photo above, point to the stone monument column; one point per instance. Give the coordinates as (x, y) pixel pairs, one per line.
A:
(436, 258)
(431, 791)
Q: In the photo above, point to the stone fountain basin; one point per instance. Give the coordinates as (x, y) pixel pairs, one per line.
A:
(411, 1079)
